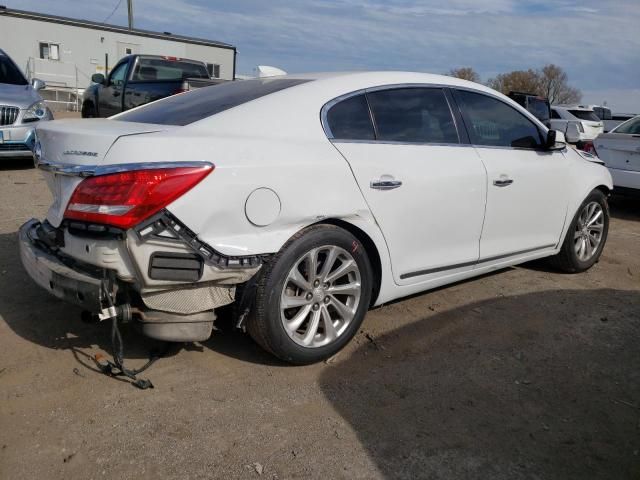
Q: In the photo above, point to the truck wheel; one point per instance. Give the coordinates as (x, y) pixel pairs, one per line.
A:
(88, 110)
(586, 235)
(312, 296)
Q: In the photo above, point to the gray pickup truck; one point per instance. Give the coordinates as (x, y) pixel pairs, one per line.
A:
(21, 108)
(140, 79)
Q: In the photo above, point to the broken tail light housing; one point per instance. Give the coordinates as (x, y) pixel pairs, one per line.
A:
(124, 199)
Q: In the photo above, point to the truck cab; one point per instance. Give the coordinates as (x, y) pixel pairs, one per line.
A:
(139, 79)
(537, 105)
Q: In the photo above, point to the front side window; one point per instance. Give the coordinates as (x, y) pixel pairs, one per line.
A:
(9, 73)
(416, 115)
(117, 75)
(631, 127)
(587, 115)
(494, 123)
(350, 119)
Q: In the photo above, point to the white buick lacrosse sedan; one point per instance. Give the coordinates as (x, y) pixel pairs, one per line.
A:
(304, 201)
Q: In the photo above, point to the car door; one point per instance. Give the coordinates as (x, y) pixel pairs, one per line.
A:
(526, 188)
(110, 98)
(425, 187)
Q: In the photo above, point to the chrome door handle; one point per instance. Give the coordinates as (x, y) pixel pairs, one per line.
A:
(503, 182)
(385, 184)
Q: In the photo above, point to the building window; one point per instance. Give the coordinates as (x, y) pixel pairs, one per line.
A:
(214, 70)
(128, 51)
(49, 51)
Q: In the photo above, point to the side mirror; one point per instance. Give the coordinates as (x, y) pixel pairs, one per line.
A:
(572, 134)
(97, 78)
(37, 84)
(551, 139)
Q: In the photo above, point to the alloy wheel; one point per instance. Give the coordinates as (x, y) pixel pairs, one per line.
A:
(320, 296)
(589, 229)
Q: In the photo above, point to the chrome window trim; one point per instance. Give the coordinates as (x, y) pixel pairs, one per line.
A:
(396, 86)
(396, 142)
(97, 170)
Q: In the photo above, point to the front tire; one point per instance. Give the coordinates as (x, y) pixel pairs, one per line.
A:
(312, 296)
(89, 110)
(586, 235)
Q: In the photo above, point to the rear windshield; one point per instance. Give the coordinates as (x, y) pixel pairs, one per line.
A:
(192, 106)
(9, 73)
(585, 115)
(151, 69)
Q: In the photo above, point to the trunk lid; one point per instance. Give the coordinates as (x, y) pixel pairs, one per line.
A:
(78, 143)
(619, 150)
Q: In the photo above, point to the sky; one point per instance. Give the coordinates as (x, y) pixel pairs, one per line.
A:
(597, 42)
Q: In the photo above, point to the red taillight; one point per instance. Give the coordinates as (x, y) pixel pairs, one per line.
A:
(589, 147)
(124, 199)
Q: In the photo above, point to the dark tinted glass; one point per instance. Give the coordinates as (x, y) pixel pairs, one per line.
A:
(492, 122)
(350, 120)
(150, 69)
(585, 115)
(9, 73)
(539, 108)
(192, 106)
(418, 115)
(554, 114)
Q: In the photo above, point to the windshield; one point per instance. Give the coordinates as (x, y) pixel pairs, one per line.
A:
(631, 127)
(585, 115)
(539, 107)
(9, 73)
(197, 104)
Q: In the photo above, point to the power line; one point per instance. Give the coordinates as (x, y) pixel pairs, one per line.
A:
(114, 11)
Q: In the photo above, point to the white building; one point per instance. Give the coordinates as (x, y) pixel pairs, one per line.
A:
(65, 52)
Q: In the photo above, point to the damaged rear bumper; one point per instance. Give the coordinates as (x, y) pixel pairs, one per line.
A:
(73, 268)
(51, 273)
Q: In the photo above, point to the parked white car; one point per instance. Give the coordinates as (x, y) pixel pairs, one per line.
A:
(588, 123)
(305, 200)
(620, 151)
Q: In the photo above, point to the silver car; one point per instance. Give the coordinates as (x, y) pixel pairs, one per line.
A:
(21, 107)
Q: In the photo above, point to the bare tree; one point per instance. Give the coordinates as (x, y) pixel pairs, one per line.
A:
(554, 85)
(550, 82)
(465, 73)
(516, 81)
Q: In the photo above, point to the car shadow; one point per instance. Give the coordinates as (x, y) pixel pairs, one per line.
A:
(16, 163)
(625, 207)
(39, 317)
(542, 385)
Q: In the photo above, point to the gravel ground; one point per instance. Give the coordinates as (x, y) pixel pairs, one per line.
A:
(522, 374)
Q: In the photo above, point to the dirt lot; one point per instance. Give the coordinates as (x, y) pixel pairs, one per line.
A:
(524, 374)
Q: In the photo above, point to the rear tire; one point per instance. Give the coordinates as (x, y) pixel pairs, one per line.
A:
(312, 295)
(586, 236)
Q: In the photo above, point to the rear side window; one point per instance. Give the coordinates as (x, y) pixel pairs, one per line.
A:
(204, 102)
(494, 123)
(151, 69)
(585, 115)
(350, 119)
(416, 115)
(631, 127)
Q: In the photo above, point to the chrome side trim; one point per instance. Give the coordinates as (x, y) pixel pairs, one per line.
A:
(394, 142)
(469, 264)
(96, 170)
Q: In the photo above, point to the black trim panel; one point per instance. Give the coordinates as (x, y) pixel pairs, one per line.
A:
(468, 264)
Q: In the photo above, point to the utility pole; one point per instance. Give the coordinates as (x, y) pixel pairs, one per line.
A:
(130, 12)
